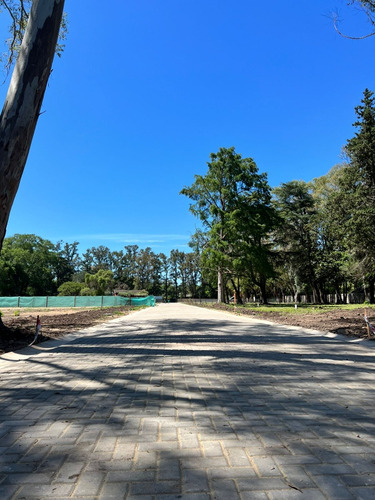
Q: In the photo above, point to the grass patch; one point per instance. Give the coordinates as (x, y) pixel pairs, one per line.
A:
(302, 309)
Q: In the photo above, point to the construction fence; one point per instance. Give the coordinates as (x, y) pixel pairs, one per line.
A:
(76, 301)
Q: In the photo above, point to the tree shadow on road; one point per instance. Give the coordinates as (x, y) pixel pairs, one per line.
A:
(194, 396)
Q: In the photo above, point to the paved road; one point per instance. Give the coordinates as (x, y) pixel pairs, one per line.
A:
(178, 402)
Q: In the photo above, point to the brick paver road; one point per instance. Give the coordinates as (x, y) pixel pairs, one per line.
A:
(178, 402)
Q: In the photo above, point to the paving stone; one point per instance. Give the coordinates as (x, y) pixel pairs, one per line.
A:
(8, 490)
(114, 490)
(69, 472)
(186, 496)
(155, 488)
(232, 473)
(329, 469)
(359, 480)
(225, 489)
(89, 483)
(30, 478)
(265, 484)
(296, 477)
(254, 495)
(212, 449)
(204, 463)
(44, 491)
(364, 493)
(333, 487)
(237, 457)
(130, 476)
(169, 469)
(305, 494)
(194, 480)
(266, 467)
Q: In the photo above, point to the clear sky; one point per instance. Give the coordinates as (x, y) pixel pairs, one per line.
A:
(147, 89)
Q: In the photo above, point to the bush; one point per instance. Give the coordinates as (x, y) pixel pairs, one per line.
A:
(99, 282)
(87, 291)
(70, 288)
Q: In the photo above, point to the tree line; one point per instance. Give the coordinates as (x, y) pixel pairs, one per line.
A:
(31, 265)
(315, 238)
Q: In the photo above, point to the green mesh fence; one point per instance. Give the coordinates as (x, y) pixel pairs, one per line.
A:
(87, 301)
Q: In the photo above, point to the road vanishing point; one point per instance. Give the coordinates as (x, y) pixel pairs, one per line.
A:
(183, 402)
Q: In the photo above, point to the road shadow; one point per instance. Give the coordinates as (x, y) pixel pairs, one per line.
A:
(260, 391)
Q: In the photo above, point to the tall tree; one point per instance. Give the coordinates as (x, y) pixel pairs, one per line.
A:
(174, 270)
(30, 265)
(296, 236)
(25, 96)
(69, 263)
(164, 274)
(356, 199)
(232, 201)
(96, 258)
(145, 269)
(334, 259)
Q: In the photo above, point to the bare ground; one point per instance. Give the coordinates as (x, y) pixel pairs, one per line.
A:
(57, 322)
(20, 329)
(345, 322)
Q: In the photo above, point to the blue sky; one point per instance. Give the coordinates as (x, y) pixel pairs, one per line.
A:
(147, 89)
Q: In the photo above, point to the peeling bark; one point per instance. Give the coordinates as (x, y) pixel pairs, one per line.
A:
(24, 99)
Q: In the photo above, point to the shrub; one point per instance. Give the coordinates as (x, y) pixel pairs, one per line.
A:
(70, 288)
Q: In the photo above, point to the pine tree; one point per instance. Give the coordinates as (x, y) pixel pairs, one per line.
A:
(356, 201)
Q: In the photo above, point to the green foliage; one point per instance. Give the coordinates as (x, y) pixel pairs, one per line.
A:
(233, 202)
(100, 282)
(70, 288)
(86, 291)
(18, 12)
(29, 265)
(96, 258)
(296, 237)
(355, 199)
(361, 148)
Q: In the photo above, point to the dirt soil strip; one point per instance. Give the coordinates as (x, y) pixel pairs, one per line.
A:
(345, 322)
(20, 329)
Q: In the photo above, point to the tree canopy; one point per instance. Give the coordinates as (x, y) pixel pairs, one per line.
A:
(233, 201)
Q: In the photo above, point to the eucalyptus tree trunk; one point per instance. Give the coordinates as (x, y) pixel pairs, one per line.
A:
(220, 286)
(24, 99)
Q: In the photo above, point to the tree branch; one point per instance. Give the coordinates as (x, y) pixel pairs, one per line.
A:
(368, 9)
(347, 36)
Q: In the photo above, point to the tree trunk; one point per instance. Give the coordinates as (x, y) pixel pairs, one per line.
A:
(316, 294)
(24, 99)
(220, 286)
(263, 290)
(338, 293)
(237, 292)
(166, 289)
